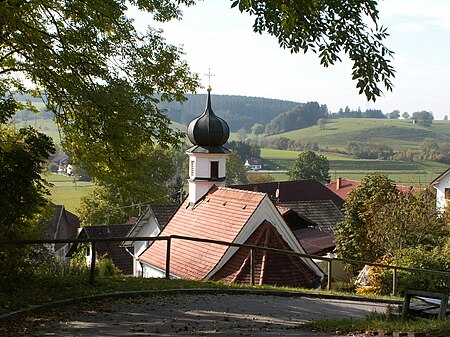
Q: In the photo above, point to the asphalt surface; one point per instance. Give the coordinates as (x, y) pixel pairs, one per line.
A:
(196, 315)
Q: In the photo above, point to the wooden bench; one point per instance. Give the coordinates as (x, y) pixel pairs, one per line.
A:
(443, 296)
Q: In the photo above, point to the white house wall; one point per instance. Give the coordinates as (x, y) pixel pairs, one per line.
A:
(441, 202)
(150, 229)
(202, 165)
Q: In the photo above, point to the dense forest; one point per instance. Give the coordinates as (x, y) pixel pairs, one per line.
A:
(238, 111)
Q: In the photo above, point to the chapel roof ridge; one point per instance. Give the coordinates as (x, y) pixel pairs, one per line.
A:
(242, 191)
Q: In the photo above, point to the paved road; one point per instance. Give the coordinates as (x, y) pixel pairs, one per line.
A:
(200, 315)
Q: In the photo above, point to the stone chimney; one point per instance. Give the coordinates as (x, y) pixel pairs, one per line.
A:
(338, 183)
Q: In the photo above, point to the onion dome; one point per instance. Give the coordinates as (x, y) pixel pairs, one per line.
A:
(208, 129)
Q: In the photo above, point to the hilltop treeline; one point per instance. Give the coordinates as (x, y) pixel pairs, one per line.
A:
(238, 111)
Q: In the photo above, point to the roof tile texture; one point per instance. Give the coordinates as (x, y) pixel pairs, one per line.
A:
(220, 215)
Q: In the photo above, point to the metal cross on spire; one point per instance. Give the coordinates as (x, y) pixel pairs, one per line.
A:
(209, 77)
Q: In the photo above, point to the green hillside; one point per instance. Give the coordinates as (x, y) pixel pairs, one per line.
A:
(399, 134)
(407, 173)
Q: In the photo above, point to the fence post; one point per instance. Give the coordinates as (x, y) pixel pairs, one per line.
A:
(330, 270)
(168, 247)
(252, 267)
(394, 281)
(93, 258)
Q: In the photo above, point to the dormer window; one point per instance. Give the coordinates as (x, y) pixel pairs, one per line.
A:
(214, 170)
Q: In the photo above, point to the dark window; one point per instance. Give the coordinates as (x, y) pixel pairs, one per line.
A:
(447, 193)
(214, 170)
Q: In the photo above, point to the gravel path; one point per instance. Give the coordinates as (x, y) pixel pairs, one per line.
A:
(193, 315)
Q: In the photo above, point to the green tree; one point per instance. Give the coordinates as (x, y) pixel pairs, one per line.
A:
(310, 165)
(445, 118)
(423, 118)
(361, 205)
(23, 193)
(148, 180)
(258, 129)
(321, 123)
(430, 150)
(101, 78)
(393, 115)
(244, 149)
(407, 220)
(235, 171)
(329, 28)
(406, 115)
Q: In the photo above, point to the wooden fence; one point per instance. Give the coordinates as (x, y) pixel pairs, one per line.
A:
(252, 249)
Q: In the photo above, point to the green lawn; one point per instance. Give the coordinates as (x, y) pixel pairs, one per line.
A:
(65, 192)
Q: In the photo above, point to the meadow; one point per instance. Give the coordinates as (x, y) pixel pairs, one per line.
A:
(397, 133)
(407, 173)
(68, 192)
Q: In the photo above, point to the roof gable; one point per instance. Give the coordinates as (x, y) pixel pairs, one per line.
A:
(438, 179)
(270, 267)
(154, 215)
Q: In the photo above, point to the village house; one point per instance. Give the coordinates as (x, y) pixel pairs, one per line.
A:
(62, 225)
(442, 186)
(113, 250)
(150, 223)
(253, 164)
(215, 212)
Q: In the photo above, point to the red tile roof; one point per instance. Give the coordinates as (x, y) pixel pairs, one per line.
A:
(346, 186)
(220, 215)
(270, 267)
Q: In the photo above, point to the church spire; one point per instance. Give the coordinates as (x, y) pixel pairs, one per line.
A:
(207, 158)
(208, 130)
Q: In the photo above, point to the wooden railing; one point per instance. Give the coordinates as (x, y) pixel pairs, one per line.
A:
(251, 248)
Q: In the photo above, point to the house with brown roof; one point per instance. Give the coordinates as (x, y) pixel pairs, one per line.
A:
(294, 191)
(150, 223)
(110, 249)
(62, 225)
(442, 185)
(214, 212)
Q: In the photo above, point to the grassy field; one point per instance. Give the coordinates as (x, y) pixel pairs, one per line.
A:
(67, 192)
(408, 173)
(399, 134)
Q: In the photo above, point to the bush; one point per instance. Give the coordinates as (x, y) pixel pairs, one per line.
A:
(105, 268)
(437, 258)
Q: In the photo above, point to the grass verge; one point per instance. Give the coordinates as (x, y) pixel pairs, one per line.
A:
(381, 322)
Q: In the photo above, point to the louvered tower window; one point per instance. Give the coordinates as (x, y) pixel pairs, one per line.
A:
(214, 170)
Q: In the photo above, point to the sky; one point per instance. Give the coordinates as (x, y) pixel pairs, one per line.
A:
(242, 62)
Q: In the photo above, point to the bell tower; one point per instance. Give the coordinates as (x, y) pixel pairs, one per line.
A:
(207, 157)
